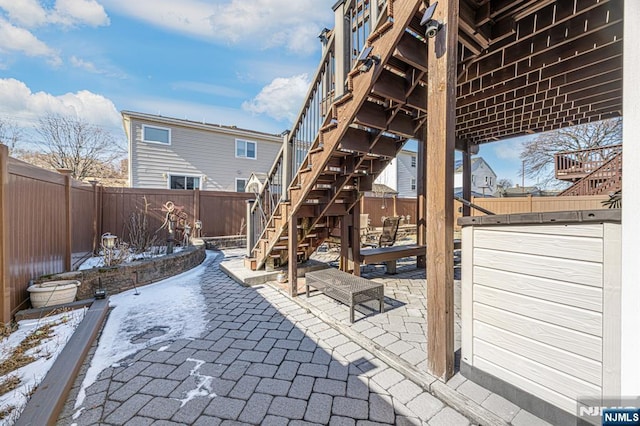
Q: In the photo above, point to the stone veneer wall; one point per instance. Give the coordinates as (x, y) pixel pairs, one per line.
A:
(116, 279)
(230, 241)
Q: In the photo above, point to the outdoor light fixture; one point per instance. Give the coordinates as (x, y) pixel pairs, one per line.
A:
(109, 241)
(108, 247)
(323, 35)
(366, 61)
(433, 26)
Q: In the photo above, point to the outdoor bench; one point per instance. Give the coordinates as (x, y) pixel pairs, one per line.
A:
(346, 288)
(389, 255)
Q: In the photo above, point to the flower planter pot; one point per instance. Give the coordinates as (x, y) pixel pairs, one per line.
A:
(53, 293)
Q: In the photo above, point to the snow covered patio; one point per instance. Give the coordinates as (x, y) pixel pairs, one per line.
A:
(254, 355)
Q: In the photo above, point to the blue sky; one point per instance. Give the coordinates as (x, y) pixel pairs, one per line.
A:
(236, 62)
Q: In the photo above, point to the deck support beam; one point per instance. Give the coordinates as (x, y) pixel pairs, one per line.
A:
(466, 179)
(421, 198)
(292, 249)
(355, 238)
(441, 120)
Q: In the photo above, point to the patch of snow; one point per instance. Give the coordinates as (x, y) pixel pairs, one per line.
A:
(204, 384)
(46, 353)
(98, 261)
(175, 306)
(164, 348)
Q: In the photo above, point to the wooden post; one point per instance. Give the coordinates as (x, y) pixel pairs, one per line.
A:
(342, 34)
(196, 205)
(251, 237)
(466, 179)
(344, 243)
(94, 245)
(292, 243)
(68, 219)
(395, 207)
(5, 287)
(441, 103)
(421, 198)
(355, 238)
(287, 165)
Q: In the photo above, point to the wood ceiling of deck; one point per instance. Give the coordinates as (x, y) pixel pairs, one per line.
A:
(529, 66)
(525, 66)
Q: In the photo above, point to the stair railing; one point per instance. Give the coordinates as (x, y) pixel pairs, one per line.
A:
(582, 162)
(607, 178)
(313, 113)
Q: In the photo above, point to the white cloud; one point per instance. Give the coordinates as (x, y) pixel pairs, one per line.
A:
(79, 12)
(260, 23)
(28, 13)
(17, 39)
(506, 150)
(31, 13)
(94, 69)
(280, 99)
(25, 106)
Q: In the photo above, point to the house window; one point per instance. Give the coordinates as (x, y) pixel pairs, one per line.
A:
(413, 184)
(413, 161)
(184, 182)
(246, 149)
(156, 134)
(241, 184)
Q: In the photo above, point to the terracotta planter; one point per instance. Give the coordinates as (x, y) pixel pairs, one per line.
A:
(53, 293)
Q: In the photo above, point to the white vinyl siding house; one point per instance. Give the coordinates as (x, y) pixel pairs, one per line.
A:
(171, 153)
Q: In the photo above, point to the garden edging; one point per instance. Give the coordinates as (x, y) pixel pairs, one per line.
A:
(119, 278)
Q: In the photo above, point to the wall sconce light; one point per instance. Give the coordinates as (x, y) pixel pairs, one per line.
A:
(324, 35)
(366, 61)
(164, 176)
(432, 25)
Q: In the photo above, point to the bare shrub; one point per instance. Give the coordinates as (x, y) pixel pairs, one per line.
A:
(140, 238)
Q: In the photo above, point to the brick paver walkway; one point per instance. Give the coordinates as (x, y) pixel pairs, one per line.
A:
(263, 360)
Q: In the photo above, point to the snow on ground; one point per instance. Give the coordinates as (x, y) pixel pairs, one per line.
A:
(98, 261)
(167, 310)
(46, 353)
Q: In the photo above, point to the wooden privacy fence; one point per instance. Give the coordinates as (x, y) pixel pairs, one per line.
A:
(49, 222)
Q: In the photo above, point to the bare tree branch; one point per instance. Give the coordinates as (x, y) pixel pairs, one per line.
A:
(71, 143)
(10, 134)
(538, 154)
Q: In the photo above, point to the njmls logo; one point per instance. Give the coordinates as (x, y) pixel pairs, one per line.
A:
(621, 417)
(617, 411)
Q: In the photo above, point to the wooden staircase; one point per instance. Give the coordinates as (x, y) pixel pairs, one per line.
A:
(605, 179)
(384, 104)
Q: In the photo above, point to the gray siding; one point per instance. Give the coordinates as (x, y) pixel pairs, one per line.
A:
(405, 174)
(195, 152)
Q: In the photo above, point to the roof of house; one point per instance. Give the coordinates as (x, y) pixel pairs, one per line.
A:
(200, 125)
(475, 163)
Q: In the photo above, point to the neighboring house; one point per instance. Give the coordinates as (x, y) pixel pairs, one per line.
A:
(167, 152)
(401, 174)
(524, 191)
(381, 190)
(483, 178)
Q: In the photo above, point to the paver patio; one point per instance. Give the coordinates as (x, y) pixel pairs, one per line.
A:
(265, 359)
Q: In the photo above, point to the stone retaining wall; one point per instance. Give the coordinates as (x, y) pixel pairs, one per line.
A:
(230, 241)
(116, 279)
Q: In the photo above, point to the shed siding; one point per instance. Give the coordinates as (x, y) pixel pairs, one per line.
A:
(196, 152)
(536, 301)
